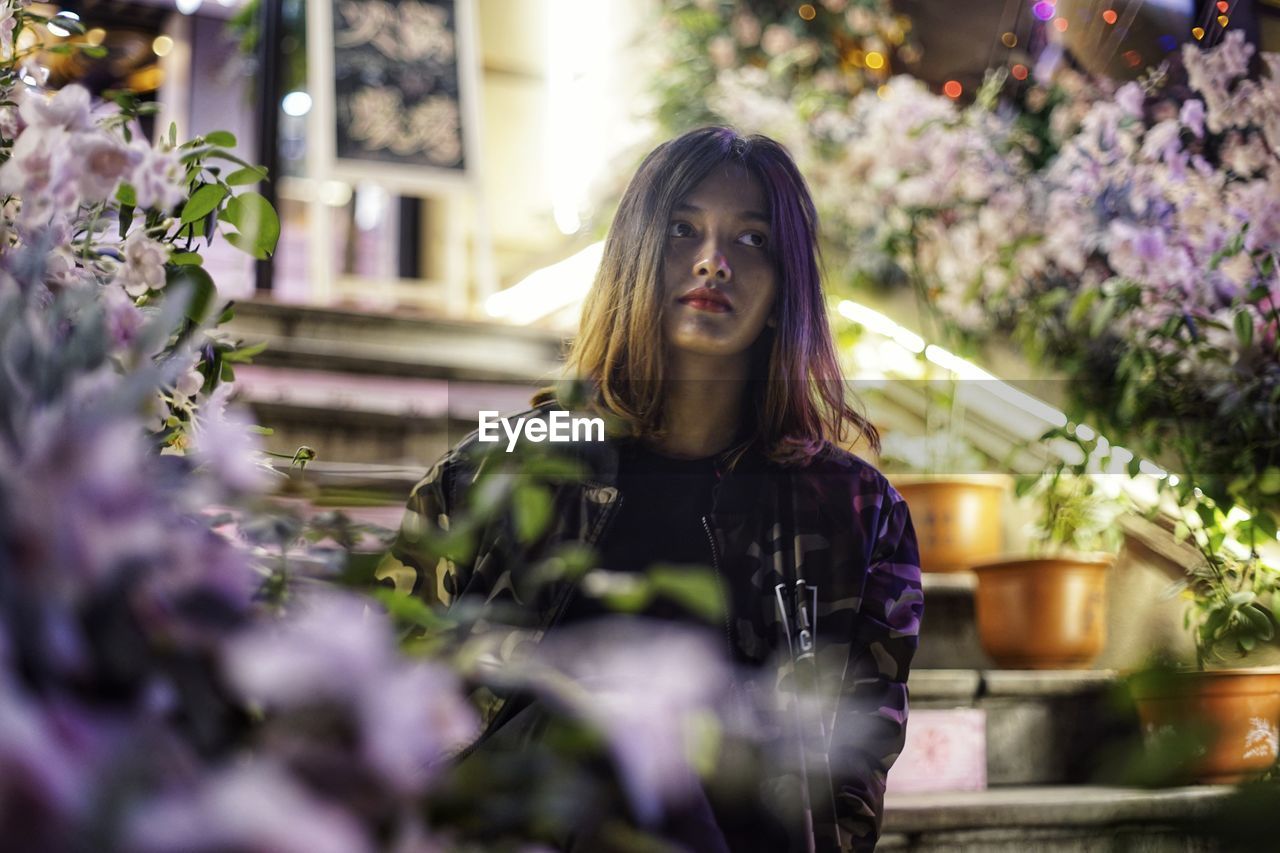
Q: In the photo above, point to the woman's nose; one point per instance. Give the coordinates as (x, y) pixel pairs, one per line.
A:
(713, 264)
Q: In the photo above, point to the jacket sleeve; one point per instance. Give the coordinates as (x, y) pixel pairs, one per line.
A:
(871, 721)
(417, 562)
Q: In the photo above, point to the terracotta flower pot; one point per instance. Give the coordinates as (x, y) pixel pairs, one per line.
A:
(1043, 612)
(958, 520)
(1231, 716)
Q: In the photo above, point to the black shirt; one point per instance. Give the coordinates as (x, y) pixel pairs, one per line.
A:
(660, 520)
(664, 518)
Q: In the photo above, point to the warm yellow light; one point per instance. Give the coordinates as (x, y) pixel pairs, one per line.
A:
(883, 91)
(1009, 40)
(1198, 32)
(875, 60)
(95, 36)
(1223, 20)
(808, 12)
(162, 45)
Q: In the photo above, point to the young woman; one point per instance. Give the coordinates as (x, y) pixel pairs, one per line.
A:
(706, 337)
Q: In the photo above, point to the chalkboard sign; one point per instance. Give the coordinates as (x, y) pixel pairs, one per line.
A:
(395, 81)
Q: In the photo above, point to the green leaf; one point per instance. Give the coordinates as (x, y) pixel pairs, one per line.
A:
(127, 195)
(1080, 308)
(203, 202)
(245, 245)
(1241, 598)
(255, 218)
(184, 258)
(125, 218)
(1269, 482)
(221, 138)
(94, 51)
(244, 355)
(1244, 328)
(1264, 523)
(1102, 318)
(1260, 622)
(202, 290)
(408, 609)
(246, 175)
(531, 507)
(695, 589)
(228, 373)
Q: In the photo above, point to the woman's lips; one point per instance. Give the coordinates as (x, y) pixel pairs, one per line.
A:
(706, 299)
(702, 304)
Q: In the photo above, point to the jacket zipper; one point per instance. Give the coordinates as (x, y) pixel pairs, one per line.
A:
(724, 589)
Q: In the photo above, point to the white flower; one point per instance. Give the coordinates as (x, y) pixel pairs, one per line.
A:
(68, 108)
(721, 50)
(143, 267)
(158, 178)
(777, 39)
(223, 438)
(104, 161)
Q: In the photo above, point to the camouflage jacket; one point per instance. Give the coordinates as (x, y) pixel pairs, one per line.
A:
(830, 552)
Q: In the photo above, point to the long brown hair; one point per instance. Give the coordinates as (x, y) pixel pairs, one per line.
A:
(798, 398)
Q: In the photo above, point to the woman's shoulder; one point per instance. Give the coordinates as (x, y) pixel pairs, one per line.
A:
(833, 462)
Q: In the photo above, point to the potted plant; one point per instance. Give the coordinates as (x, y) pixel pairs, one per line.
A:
(1220, 721)
(957, 509)
(1045, 609)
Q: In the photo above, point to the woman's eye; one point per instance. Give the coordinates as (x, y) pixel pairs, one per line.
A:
(752, 238)
(680, 229)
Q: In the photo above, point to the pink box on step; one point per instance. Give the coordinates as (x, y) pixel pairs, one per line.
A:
(946, 750)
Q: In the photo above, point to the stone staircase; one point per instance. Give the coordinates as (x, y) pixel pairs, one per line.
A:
(1054, 753)
(378, 389)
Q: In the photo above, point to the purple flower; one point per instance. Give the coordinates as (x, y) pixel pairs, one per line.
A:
(245, 807)
(1131, 98)
(1192, 117)
(223, 439)
(333, 651)
(647, 685)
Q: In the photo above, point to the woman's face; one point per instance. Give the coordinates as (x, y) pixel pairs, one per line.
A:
(718, 274)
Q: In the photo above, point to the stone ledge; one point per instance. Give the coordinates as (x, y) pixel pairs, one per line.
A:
(969, 685)
(955, 583)
(1071, 805)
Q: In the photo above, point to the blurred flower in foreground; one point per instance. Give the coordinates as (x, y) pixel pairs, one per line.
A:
(333, 651)
(651, 688)
(254, 807)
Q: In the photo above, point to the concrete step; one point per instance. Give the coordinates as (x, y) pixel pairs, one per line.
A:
(949, 632)
(396, 345)
(1052, 819)
(370, 419)
(1042, 727)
